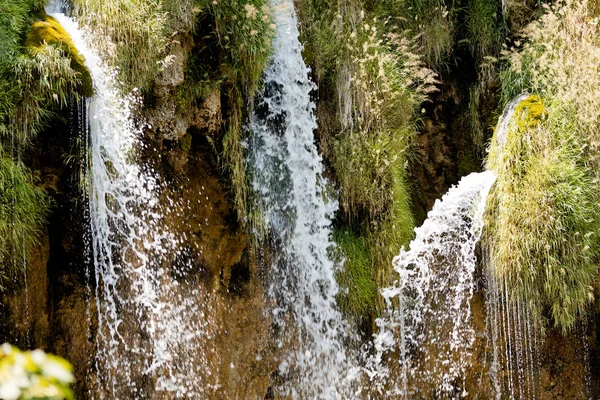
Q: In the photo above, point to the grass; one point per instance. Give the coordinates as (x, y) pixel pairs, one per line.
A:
(544, 208)
(433, 22)
(39, 72)
(23, 210)
(132, 35)
(358, 289)
(372, 71)
(485, 28)
(47, 32)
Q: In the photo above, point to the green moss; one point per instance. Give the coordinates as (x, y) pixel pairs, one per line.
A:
(185, 143)
(530, 112)
(358, 290)
(47, 31)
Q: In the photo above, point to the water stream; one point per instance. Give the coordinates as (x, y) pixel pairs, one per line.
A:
(292, 196)
(426, 338)
(141, 331)
(427, 323)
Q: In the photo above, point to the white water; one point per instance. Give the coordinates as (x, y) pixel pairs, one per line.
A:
(291, 192)
(424, 346)
(146, 342)
(429, 310)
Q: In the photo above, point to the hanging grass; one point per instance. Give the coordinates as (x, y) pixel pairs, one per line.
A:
(371, 69)
(543, 212)
(48, 32)
(40, 70)
(23, 211)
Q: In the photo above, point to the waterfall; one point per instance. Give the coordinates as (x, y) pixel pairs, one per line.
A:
(145, 341)
(424, 347)
(288, 182)
(427, 323)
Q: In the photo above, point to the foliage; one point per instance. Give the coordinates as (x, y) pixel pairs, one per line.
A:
(371, 68)
(34, 375)
(433, 22)
(48, 32)
(23, 209)
(243, 35)
(485, 27)
(39, 72)
(544, 209)
(132, 35)
(358, 290)
(39, 78)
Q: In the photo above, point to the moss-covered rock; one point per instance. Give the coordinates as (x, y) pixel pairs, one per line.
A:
(530, 112)
(47, 31)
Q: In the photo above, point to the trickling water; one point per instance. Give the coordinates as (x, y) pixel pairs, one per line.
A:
(291, 193)
(427, 323)
(146, 342)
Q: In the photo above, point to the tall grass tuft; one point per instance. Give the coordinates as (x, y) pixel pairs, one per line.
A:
(23, 211)
(370, 68)
(544, 214)
(40, 70)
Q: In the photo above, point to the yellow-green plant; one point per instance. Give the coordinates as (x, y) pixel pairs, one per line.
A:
(544, 213)
(132, 35)
(33, 375)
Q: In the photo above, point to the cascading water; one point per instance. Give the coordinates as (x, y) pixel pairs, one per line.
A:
(291, 193)
(146, 342)
(428, 316)
(424, 346)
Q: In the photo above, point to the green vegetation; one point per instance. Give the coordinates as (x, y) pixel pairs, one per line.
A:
(34, 375)
(40, 70)
(358, 290)
(543, 213)
(485, 27)
(372, 71)
(23, 209)
(132, 35)
(434, 22)
(48, 32)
